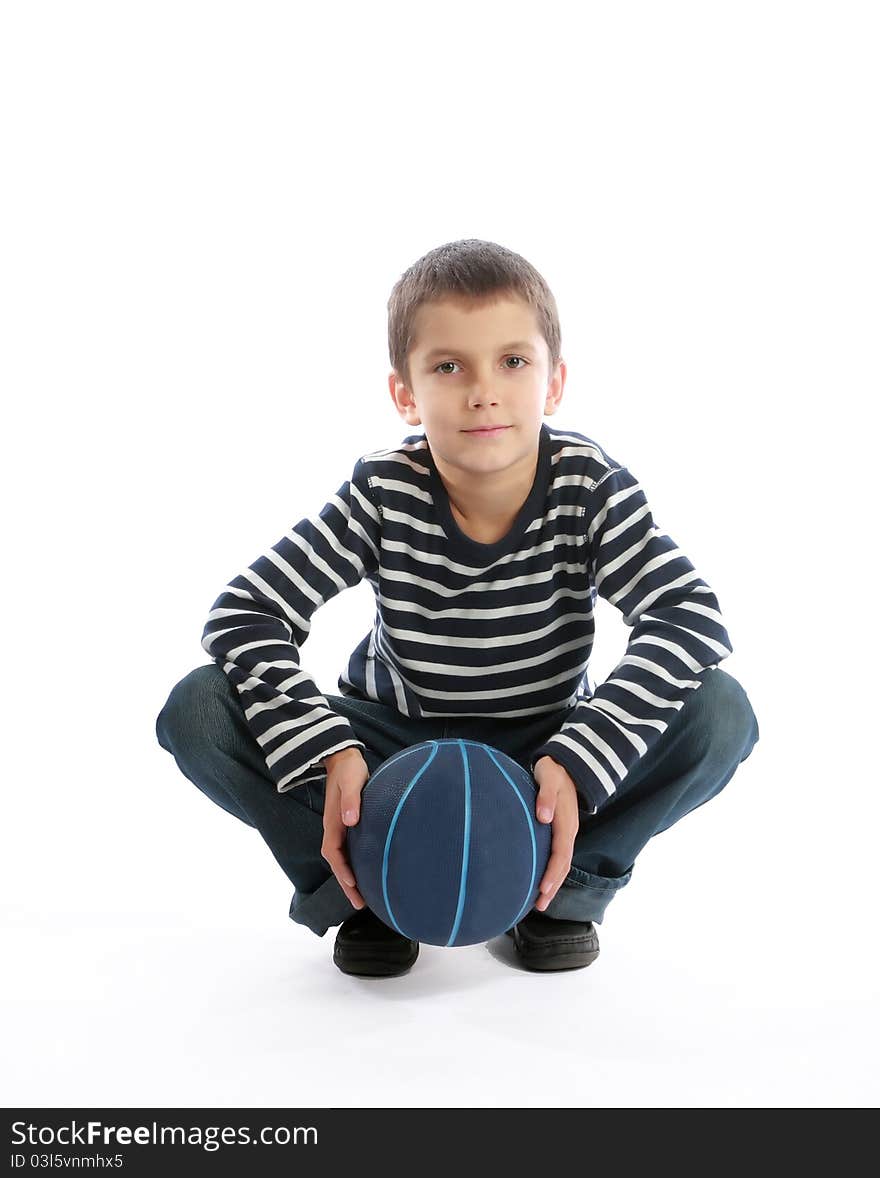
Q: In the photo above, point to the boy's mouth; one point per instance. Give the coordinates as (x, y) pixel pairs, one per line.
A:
(486, 431)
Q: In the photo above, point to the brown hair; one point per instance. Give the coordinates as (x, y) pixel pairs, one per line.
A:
(473, 269)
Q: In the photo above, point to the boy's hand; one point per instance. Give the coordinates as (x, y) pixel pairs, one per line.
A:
(557, 803)
(347, 774)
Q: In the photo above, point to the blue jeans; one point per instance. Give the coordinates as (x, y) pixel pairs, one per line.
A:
(202, 725)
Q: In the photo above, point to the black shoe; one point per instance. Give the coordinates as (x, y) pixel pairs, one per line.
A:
(544, 943)
(368, 948)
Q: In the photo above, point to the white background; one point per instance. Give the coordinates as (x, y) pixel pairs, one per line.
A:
(205, 207)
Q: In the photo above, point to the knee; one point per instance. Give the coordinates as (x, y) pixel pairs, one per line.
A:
(726, 717)
(195, 711)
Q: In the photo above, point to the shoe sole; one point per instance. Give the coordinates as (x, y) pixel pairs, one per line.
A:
(551, 959)
(369, 966)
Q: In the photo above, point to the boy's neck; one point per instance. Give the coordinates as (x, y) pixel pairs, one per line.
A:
(488, 504)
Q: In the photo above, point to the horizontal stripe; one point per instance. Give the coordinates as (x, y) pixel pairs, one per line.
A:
(463, 629)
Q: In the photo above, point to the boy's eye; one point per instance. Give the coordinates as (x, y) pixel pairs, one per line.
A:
(522, 362)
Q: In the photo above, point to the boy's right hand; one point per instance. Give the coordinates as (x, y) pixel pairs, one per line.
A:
(347, 774)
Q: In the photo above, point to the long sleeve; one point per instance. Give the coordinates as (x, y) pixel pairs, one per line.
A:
(261, 619)
(677, 636)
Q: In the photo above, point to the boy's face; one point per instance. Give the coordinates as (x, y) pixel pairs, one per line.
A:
(474, 363)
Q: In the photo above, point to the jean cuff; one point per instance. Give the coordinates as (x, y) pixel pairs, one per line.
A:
(326, 906)
(583, 896)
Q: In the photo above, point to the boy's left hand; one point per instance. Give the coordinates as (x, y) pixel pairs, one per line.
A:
(557, 803)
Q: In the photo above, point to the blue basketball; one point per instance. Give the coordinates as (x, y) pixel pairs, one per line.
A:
(448, 849)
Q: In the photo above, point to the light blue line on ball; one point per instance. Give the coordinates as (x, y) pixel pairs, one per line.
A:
(466, 850)
(531, 834)
(390, 835)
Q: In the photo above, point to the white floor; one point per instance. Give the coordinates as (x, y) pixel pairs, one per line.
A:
(194, 368)
(176, 979)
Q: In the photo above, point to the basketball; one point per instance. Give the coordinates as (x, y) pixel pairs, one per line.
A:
(448, 849)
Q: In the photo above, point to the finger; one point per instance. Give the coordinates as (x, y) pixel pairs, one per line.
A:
(341, 868)
(545, 804)
(557, 869)
(350, 813)
(546, 897)
(350, 805)
(348, 883)
(332, 851)
(354, 896)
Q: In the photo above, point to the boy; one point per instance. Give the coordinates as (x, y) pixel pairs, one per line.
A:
(486, 540)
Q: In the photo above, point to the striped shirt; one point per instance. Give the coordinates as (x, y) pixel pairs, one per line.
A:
(464, 628)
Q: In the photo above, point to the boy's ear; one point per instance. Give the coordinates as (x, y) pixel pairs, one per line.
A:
(403, 400)
(554, 389)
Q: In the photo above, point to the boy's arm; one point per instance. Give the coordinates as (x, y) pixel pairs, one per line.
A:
(263, 616)
(678, 635)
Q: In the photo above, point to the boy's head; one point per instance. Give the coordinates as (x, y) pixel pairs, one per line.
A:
(474, 339)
